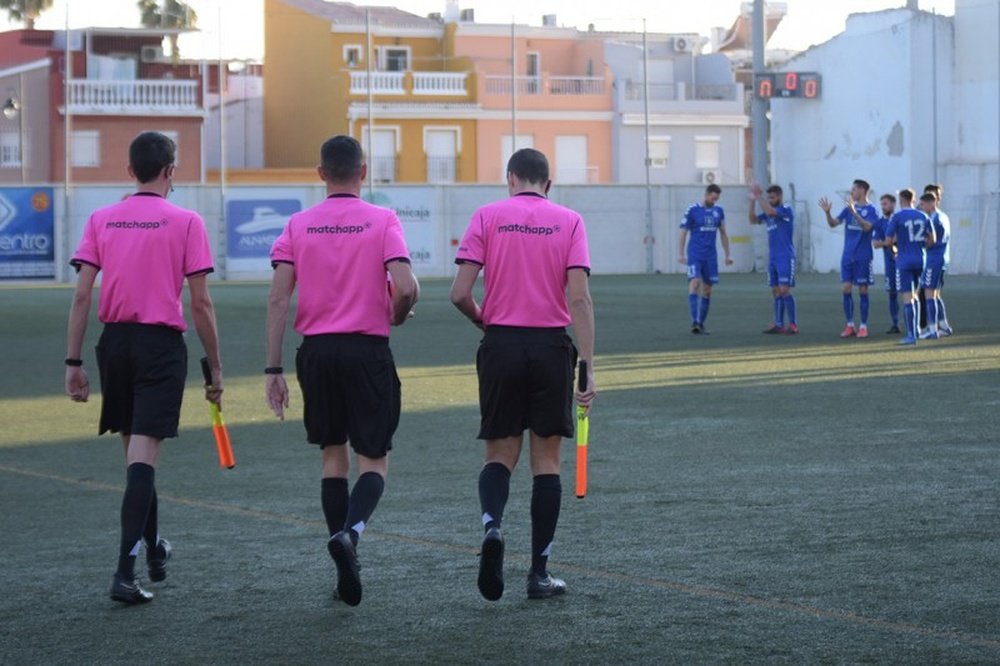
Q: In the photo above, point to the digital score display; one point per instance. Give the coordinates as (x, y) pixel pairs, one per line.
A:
(799, 85)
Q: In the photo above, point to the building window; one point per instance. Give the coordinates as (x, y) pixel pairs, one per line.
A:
(385, 143)
(10, 150)
(352, 55)
(706, 152)
(441, 145)
(659, 152)
(85, 148)
(395, 59)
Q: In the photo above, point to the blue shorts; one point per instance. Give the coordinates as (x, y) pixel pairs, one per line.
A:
(857, 272)
(908, 280)
(781, 271)
(706, 270)
(933, 275)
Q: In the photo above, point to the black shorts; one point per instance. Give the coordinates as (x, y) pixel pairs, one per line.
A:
(525, 382)
(350, 391)
(143, 369)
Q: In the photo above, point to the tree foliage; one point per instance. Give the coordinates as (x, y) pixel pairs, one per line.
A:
(25, 10)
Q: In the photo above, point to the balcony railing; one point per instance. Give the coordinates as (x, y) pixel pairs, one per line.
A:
(417, 83)
(383, 83)
(679, 92)
(441, 169)
(440, 83)
(133, 97)
(549, 85)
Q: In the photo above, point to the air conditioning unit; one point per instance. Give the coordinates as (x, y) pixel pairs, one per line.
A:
(682, 45)
(152, 54)
(711, 176)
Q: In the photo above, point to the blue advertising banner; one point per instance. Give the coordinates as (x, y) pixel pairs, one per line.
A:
(253, 224)
(27, 233)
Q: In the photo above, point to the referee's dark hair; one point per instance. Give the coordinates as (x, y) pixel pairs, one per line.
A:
(342, 158)
(863, 184)
(529, 165)
(149, 154)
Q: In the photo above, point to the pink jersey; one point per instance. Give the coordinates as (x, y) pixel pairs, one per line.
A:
(339, 249)
(145, 246)
(525, 245)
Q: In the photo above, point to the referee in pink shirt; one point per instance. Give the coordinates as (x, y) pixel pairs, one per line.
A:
(338, 253)
(145, 247)
(537, 265)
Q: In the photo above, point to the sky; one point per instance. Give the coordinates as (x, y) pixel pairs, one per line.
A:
(807, 22)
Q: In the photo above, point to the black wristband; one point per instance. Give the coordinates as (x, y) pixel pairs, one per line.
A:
(74, 362)
(274, 370)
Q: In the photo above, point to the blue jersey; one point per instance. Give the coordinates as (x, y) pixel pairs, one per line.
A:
(703, 224)
(858, 243)
(910, 227)
(780, 232)
(878, 234)
(942, 229)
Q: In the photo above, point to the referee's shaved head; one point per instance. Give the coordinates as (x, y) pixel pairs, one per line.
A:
(530, 166)
(342, 158)
(149, 154)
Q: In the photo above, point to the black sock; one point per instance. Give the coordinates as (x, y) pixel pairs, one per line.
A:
(364, 498)
(494, 488)
(151, 533)
(334, 497)
(135, 507)
(546, 496)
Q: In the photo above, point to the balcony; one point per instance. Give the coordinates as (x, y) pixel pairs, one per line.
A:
(547, 92)
(136, 97)
(682, 97)
(441, 169)
(438, 84)
(547, 85)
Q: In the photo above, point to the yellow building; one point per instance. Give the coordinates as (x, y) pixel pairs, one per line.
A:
(316, 82)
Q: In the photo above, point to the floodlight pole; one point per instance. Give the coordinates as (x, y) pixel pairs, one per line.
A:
(513, 90)
(649, 185)
(758, 112)
(371, 104)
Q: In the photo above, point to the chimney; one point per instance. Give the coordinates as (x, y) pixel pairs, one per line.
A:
(549, 20)
(913, 5)
(468, 16)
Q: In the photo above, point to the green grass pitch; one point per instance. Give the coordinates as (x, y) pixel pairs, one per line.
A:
(752, 498)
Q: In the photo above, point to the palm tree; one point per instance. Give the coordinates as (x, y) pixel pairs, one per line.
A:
(25, 10)
(166, 14)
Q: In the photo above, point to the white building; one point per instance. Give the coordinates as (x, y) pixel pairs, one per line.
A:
(879, 119)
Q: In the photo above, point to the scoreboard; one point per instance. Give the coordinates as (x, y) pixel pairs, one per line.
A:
(800, 85)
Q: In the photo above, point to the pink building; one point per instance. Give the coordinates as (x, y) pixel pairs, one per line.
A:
(562, 102)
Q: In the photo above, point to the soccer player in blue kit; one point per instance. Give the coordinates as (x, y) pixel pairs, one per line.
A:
(911, 232)
(780, 221)
(858, 217)
(888, 202)
(704, 222)
(938, 256)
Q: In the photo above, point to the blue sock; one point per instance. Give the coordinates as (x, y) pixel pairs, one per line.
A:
(932, 314)
(864, 309)
(779, 311)
(790, 309)
(894, 308)
(911, 318)
(693, 306)
(849, 308)
(942, 316)
(703, 311)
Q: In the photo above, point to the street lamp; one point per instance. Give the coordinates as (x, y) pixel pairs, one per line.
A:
(12, 106)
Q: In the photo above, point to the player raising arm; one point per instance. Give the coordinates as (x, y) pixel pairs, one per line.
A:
(858, 217)
(780, 221)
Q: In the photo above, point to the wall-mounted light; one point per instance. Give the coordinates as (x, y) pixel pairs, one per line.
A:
(12, 106)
